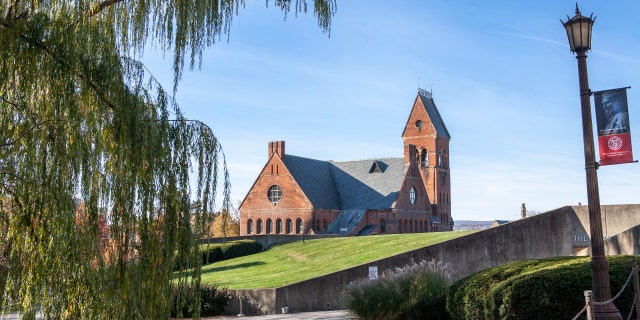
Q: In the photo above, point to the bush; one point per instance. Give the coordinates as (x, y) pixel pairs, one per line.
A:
(213, 301)
(414, 292)
(534, 289)
(223, 251)
(466, 298)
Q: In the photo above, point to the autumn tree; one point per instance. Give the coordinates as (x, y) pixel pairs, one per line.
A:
(82, 120)
(225, 225)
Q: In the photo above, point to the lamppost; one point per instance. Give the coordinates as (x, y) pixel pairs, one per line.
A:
(579, 34)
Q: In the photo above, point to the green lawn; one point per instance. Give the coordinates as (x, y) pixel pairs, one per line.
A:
(294, 262)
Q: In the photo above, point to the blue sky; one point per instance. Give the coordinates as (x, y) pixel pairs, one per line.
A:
(501, 73)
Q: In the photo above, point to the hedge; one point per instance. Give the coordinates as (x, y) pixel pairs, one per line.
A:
(223, 251)
(534, 289)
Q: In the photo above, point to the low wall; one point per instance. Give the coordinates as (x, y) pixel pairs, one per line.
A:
(551, 234)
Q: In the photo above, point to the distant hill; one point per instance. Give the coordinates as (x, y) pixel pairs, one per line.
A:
(460, 225)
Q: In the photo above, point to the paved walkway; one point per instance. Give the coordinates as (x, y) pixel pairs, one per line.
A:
(320, 315)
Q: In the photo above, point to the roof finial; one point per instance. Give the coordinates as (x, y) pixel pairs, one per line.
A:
(578, 10)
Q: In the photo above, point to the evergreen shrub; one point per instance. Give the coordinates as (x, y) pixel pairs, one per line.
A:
(224, 251)
(534, 289)
(416, 291)
(212, 301)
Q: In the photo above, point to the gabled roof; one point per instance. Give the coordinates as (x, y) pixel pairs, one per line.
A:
(427, 100)
(350, 185)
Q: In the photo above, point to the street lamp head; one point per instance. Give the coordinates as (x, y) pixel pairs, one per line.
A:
(579, 31)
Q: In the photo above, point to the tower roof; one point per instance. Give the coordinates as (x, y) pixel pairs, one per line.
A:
(427, 101)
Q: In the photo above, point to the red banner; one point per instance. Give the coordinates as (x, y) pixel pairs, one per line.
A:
(614, 134)
(615, 149)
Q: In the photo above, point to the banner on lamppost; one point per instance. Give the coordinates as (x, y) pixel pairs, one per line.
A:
(614, 134)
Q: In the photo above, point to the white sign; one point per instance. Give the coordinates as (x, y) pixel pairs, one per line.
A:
(373, 273)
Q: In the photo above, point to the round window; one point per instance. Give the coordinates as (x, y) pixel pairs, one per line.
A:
(274, 194)
(419, 124)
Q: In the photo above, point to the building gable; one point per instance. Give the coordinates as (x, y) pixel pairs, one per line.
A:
(275, 173)
(418, 199)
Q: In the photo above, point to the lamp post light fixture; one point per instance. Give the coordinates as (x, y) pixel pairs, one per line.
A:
(579, 33)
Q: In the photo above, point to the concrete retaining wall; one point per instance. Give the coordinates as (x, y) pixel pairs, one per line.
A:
(555, 233)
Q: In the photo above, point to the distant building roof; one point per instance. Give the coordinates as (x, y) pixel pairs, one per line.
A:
(496, 223)
(349, 185)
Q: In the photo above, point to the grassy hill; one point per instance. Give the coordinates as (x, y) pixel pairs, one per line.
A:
(293, 262)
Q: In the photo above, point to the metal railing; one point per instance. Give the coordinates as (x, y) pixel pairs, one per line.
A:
(636, 289)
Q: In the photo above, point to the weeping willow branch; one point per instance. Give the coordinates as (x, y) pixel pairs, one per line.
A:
(23, 134)
(98, 165)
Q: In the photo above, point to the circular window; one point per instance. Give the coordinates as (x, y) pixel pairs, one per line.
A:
(412, 195)
(419, 124)
(274, 194)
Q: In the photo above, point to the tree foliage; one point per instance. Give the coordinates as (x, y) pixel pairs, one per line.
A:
(224, 225)
(89, 141)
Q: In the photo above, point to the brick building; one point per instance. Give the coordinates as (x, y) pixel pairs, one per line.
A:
(297, 195)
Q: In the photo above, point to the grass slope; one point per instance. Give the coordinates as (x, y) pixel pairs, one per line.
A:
(293, 262)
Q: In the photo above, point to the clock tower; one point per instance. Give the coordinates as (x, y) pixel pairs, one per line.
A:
(426, 130)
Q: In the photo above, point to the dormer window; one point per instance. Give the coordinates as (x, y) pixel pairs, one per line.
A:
(378, 166)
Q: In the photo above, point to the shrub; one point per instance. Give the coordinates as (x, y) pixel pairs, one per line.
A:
(223, 251)
(466, 298)
(212, 302)
(534, 289)
(416, 291)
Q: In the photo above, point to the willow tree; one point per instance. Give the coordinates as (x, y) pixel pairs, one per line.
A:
(96, 158)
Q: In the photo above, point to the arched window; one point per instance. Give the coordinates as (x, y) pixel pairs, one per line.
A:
(299, 226)
(289, 226)
(269, 226)
(383, 226)
(406, 230)
(424, 157)
(278, 226)
(250, 227)
(412, 195)
(324, 225)
(259, 231)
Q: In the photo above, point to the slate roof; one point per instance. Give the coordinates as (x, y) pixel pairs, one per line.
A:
(360, 189)
(434, 114)
(349, 185)
(315, 179)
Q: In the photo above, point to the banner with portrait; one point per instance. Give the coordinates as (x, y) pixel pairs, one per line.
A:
(614, 134)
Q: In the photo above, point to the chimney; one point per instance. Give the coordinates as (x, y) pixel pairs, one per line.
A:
(409, 153)
(276, 147)
(523, 211)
